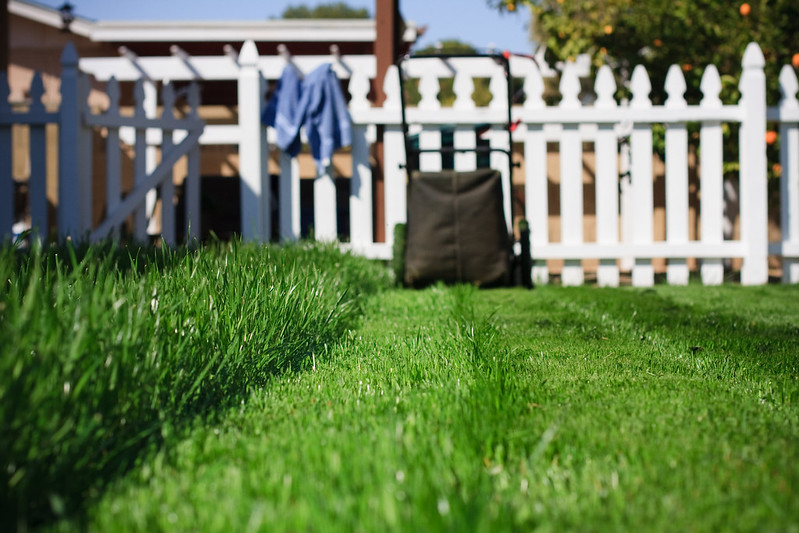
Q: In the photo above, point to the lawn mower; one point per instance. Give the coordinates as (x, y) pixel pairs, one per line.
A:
(456, 230)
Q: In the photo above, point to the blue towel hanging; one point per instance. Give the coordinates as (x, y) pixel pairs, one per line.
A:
(315, 102)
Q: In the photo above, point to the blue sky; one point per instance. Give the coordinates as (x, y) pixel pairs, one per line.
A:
(467, 20)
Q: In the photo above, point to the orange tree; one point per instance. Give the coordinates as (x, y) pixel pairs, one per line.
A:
(659, 33)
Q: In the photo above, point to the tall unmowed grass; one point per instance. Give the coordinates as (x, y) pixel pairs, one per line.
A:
(107, 351)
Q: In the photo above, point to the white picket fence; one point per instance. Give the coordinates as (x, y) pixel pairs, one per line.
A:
(568, 124)
(571, 123)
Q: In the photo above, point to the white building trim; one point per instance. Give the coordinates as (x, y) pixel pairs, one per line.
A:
(272, 30)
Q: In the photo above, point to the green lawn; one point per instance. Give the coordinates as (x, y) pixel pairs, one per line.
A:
(451, 408)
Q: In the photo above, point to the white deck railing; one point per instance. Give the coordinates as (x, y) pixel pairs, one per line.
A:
(624, 220)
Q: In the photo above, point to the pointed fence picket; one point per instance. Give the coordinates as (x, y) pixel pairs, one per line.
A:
(753, 174)
(641, 177)
(74, 151)
(571, 177)
(711, 208)
(607, 179)
(676, 176)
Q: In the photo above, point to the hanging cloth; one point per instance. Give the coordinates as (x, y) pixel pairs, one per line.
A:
(315, 102)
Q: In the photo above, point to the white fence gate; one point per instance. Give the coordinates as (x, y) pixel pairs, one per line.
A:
(76, 122)
(567, 125)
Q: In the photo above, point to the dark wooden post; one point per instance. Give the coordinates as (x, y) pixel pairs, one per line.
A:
(388, 41)
(388, 44)
(4, 36)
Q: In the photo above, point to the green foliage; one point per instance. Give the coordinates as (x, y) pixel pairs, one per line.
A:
(334, 10)
(659, 33)
(105, 352)
(452, 409)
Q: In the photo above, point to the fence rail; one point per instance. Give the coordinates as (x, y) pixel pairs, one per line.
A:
(621, 134)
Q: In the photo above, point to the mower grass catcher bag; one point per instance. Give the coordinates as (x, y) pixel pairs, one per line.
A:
(456, 230)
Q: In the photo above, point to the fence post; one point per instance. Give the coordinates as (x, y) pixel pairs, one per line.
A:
(69, 200)
(74, 172)
(255, 216)
(753, 181)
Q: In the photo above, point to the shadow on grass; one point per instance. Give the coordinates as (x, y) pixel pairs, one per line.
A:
(751, 329)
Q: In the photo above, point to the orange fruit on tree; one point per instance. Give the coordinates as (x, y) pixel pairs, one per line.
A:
(795, 61)
(745, 9)
(771, 137)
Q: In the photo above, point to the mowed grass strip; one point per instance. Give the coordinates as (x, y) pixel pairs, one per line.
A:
(452, 409)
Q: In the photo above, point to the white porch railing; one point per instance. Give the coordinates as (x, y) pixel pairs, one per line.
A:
(568, 124)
